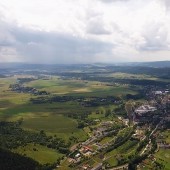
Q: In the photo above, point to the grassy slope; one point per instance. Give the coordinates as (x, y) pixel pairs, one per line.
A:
(80, 88)
(163, 156)
(48, 116)
(42, 154)
(14, 106)
(123, 150)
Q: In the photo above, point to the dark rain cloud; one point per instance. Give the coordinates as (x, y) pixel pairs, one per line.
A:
(49, 47)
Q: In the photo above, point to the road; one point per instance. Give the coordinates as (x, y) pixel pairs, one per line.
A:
(146, 147)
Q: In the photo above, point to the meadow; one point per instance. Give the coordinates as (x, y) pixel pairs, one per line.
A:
(163, 157)
(123, 151)
(40, 153)
(80, 87)
(55, 119)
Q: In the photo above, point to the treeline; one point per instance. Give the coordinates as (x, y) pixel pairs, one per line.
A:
(140, 95)
(13, 136)
(136, 159)
(131, 81)
(121, 139)
(98, 101)
(156, 72)
(51, 99)
(128, 81)
(86, 102)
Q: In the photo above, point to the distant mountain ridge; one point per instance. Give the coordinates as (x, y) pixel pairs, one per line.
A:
(153, 64)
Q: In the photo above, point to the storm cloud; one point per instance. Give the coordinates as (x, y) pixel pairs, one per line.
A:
(47, 47)
(84, 31)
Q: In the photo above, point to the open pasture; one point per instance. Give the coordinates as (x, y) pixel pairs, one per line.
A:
(9, 98)
(41, 154)
(80, 88)
(120, 75)
(53, 123)
(125, 150)
(163, 157)
(166, 136)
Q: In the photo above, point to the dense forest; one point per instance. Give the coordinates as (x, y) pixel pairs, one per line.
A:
(13, 161)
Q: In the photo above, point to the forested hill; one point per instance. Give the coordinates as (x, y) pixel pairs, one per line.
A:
(159, 69)
(154, 64)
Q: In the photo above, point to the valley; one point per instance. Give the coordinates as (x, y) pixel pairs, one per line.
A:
(86, 117)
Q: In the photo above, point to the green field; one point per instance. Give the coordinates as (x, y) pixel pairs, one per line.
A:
(57, 118)
(9, 98)
(163, 157)
(106, 140)
(50, 123)
(80, 87)
(125, 150)
(131, 76)
(166, 136)
(59, 125)
(39, 153)
(50, 117)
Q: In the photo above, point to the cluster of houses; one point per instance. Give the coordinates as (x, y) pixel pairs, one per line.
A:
(22, 89)
(139, 132)
(87, 167)
(124, 121)
(92, 145)
(162, 143)
(84, 151)
(161, 92)
(144, 113)
(145, 109)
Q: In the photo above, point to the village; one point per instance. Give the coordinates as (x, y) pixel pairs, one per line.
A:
(19, 88)
(147, 120)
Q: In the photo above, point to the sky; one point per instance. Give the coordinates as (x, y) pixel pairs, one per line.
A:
(84, 31)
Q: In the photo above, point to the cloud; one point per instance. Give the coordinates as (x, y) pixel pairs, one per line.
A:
(155, 38)
(5, 37)
(110, 1)
(60, 48)
(96, 26)
(77, 31)
(167, 4)
(48, 47)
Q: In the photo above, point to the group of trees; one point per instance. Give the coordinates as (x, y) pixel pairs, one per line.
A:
(120, 110)
(53, 99)
(86, 102)
(101, 101)
(159, 72)
(13, 136)
(121, 138)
